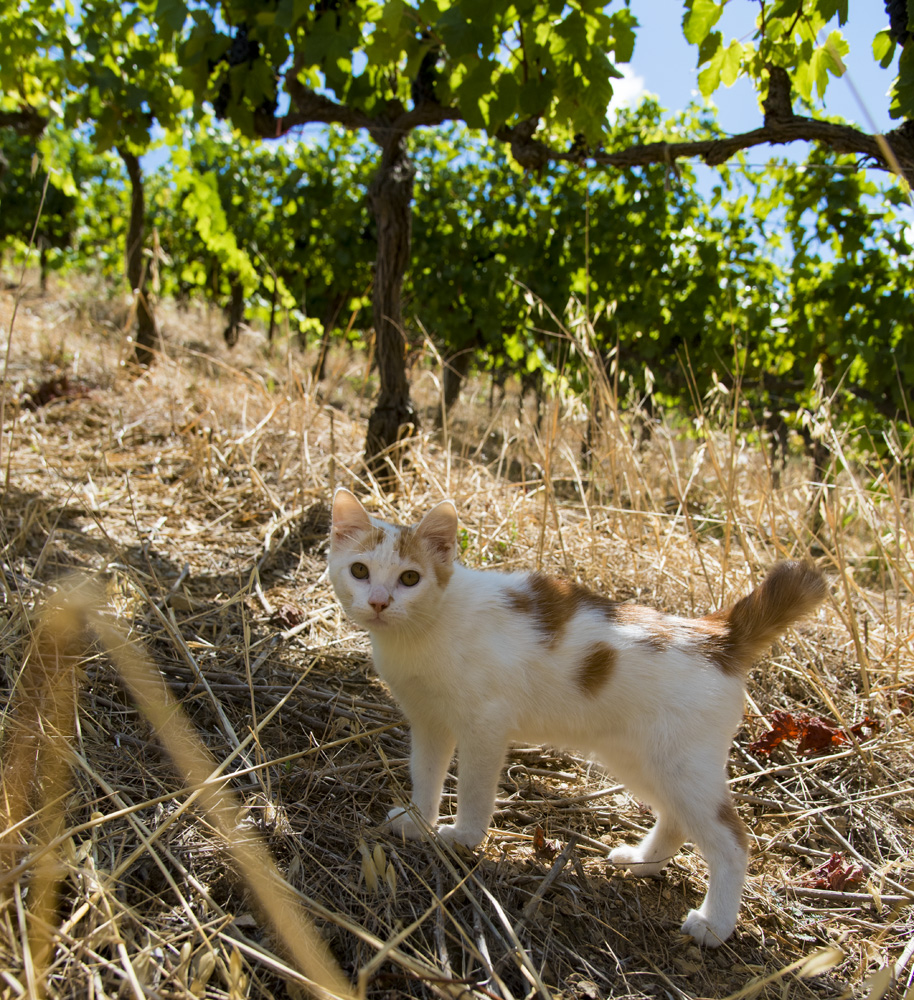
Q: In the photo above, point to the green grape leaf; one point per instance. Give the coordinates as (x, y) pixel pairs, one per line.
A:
(884, 48)
(700, 17)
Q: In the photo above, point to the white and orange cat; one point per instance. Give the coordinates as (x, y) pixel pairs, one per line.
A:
(479, 659)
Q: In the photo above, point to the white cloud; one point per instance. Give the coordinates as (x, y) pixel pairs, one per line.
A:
(627, 91)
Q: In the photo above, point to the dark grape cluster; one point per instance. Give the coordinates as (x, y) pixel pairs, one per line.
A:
(221, 100)
(578, 145)
(242, 50)
(898, 19)
(267, 108)
(423, 87)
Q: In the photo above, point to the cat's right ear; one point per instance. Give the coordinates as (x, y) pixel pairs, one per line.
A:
(349, 517)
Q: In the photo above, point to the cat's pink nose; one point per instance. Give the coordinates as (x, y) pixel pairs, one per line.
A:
(378, 598)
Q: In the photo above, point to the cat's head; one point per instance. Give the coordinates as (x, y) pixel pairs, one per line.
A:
(389, 576)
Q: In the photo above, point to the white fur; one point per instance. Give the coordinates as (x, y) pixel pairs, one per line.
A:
(472, 672)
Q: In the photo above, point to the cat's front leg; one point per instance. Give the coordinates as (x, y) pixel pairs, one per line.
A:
(479, 762)
(654, 852)
(431, 751)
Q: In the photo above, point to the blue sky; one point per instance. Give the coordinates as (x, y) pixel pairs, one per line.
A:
(664, 64)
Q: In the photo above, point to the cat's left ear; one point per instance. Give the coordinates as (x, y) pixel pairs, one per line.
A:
(439, 529)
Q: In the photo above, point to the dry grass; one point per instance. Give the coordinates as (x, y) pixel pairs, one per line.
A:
(196, 497)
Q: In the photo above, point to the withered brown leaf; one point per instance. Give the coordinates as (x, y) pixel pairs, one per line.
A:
(836, 874)
(288, 616)
(813, 733)
(545, 849)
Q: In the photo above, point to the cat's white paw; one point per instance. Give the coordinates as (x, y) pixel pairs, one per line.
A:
(705, 931)
(629, 856)
(466, 836)
(400, 821)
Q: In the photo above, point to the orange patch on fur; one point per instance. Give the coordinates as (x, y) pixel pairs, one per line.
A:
(728, 815)
(407, 544)
(443, 572)
(411, 545)
(716, 644)
(659, 628)
(596, 668)
(369, 539)
(552, 603)
(735, 636)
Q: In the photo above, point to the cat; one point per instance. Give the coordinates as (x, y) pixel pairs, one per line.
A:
(478, 659)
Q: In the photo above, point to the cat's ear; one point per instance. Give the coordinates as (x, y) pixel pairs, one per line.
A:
(439, 529)
(349, 517)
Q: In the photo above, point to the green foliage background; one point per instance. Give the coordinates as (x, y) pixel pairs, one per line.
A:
(791, 284)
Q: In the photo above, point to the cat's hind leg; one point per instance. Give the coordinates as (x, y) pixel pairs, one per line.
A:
(724, 844)
(696, 804)
(655, 851)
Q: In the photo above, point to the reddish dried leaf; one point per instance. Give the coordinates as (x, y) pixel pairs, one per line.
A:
(867, 722)
(57, 387)
(851, 875)
(836, 874)
(783, 727)
(816, 734)
(545, 849)
(813, 733)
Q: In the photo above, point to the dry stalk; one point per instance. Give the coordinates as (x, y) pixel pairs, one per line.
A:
(200, 494)
(195, 765)
(35, 777)
(37, 762)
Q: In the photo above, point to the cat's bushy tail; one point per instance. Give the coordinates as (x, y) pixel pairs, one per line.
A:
(745, 630)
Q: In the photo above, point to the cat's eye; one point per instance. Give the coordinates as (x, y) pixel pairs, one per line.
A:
(359, 571)
(409, 578)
